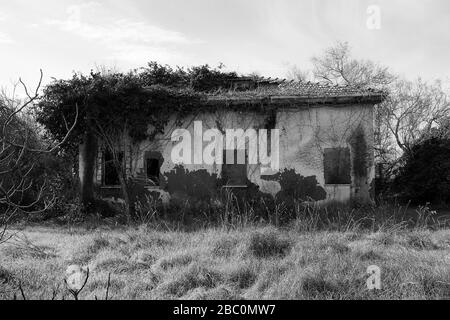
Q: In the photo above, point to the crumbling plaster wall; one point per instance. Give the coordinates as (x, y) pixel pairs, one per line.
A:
(304, 133)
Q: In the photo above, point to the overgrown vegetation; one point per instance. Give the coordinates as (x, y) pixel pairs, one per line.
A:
(25, 186)
(229, 247)
(248, 263)
(115, 106)
(413, 111)
(424, 174)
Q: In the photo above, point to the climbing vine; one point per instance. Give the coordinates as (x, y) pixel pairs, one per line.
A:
(113, 105)
(138, 99)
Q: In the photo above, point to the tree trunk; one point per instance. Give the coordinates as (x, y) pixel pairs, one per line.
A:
(87, 159)
(129, 204)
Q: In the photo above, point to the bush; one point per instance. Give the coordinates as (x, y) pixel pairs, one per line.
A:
(425, 174)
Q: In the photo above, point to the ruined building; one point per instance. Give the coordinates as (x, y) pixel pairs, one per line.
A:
(325, 147)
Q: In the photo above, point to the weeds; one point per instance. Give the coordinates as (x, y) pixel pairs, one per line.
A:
(267, 243)
(421, 240)
(243, 276)
(321, 255)
(370, 255)
(224, 246)
(21, 247)
(146, 210)
(175, 260)
(194, 276)
(88, 252)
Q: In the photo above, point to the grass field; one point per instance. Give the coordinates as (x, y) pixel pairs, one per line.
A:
(249, 263)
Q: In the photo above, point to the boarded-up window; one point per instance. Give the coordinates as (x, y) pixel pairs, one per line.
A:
(234, 174)
(110, 175)
(336, 163)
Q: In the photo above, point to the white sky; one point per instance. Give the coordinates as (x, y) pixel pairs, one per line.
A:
(61, 36)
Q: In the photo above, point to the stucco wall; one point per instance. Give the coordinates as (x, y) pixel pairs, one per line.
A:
(304, 134)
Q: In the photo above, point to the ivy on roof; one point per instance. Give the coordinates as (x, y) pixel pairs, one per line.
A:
(151, 95)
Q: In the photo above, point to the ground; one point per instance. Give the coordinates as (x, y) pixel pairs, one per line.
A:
(248, 263)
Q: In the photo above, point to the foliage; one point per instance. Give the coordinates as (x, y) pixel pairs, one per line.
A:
(113, 106)
(59, 172)
(425, 173)
(360, 151)
(132, 101)
(198, 78)
(16, 161)
(23, 187)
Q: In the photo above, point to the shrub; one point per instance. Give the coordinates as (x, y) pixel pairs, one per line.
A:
(425, 171)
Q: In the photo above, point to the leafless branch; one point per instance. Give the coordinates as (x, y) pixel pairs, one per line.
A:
(21, 291)
(19, 155)
(107, 286)
(75, 293)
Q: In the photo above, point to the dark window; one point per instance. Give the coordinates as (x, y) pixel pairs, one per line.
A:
(110, 175)
(235, 174)
(152, 168)
(336, 162)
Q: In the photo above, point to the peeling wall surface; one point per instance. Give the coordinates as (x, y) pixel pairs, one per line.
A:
(305, 132)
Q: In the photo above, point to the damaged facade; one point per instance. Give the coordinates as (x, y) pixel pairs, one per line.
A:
(325, 146)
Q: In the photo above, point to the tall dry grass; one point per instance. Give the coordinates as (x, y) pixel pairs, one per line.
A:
(321, 253)
(246, 263)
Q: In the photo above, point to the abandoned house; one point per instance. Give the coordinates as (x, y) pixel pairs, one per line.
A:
(324, 148)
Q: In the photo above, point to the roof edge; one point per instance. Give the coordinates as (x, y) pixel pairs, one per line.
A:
(297, 100)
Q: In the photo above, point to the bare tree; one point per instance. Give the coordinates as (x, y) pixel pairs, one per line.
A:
(411, 112)
(19, 150)
(337, 66)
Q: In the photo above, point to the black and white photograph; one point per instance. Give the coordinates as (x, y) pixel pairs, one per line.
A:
(220, 158)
